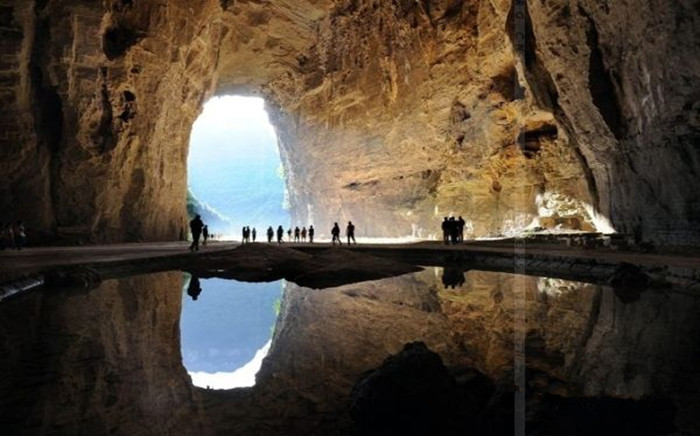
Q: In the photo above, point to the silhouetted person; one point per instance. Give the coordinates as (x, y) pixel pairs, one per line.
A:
(4, 236)
(254, 233)
(311, 234)
(335, 233)
(270, 234)
(445, 231)
(297, 234)
(460, 228)
(20, 234)
(280, 233)
(303, 234)
(454, 231)
(205, 234)
(350, 232)
(243, 235)
(196, 226)
(194, 288)
(289, 234)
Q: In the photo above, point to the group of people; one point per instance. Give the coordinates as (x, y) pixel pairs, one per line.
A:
(299, 234)
(201, 231)
(453, 230)
(246, 234)
(349, 233)
(12, 235)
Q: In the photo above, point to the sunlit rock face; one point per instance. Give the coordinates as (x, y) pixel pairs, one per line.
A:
(389, 114)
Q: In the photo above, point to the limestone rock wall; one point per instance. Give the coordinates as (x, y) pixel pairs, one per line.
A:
(391, 114)
(99, 98)
(623, 77)
(399, 113)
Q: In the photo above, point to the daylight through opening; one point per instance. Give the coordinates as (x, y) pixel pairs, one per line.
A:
(235, 175)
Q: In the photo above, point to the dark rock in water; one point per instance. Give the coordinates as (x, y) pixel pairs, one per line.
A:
(336, 267)
(79, 277)
(411, 393)
(604, 416)
(269, 262)
(629, 281)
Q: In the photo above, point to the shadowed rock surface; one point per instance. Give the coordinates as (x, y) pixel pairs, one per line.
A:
(329, 268)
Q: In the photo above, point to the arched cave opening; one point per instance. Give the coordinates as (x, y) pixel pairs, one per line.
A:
(235, 177)
(226, 329)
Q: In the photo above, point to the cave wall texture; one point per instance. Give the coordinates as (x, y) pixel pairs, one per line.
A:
(389, 113)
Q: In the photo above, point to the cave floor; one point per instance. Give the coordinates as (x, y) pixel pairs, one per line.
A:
(163, 255)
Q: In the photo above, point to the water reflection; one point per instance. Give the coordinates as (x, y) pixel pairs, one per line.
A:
(226, 327)
(453, 277)
(110, 360)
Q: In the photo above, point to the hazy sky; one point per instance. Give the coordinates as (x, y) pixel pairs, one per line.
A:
(226, 329)
(234, 163)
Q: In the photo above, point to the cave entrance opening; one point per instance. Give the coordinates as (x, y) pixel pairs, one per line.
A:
(235, 174)
(226, 329)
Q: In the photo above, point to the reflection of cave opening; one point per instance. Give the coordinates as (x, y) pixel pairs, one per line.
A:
(235, 175)
(226, 329)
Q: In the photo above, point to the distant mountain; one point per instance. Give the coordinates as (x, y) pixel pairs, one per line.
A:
(217, 222)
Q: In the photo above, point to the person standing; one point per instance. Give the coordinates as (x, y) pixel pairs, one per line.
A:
(297, 234)
(335, 233)
(205, 234)
(4, 233)
(270, 234)
(350, 232)
(303, 234)
(196, 226)
(445, 231)
(454, 230)
(20, 235)
(460, 226)
(280, 233)
(311, 234)
(255, 234)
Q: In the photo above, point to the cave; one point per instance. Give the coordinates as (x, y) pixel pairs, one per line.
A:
(235, 177)
(564, 134)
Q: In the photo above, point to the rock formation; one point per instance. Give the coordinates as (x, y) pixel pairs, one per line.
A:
(389, 113)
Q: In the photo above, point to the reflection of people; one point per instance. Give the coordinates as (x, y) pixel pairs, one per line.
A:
(452, 277)
(194, 288)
